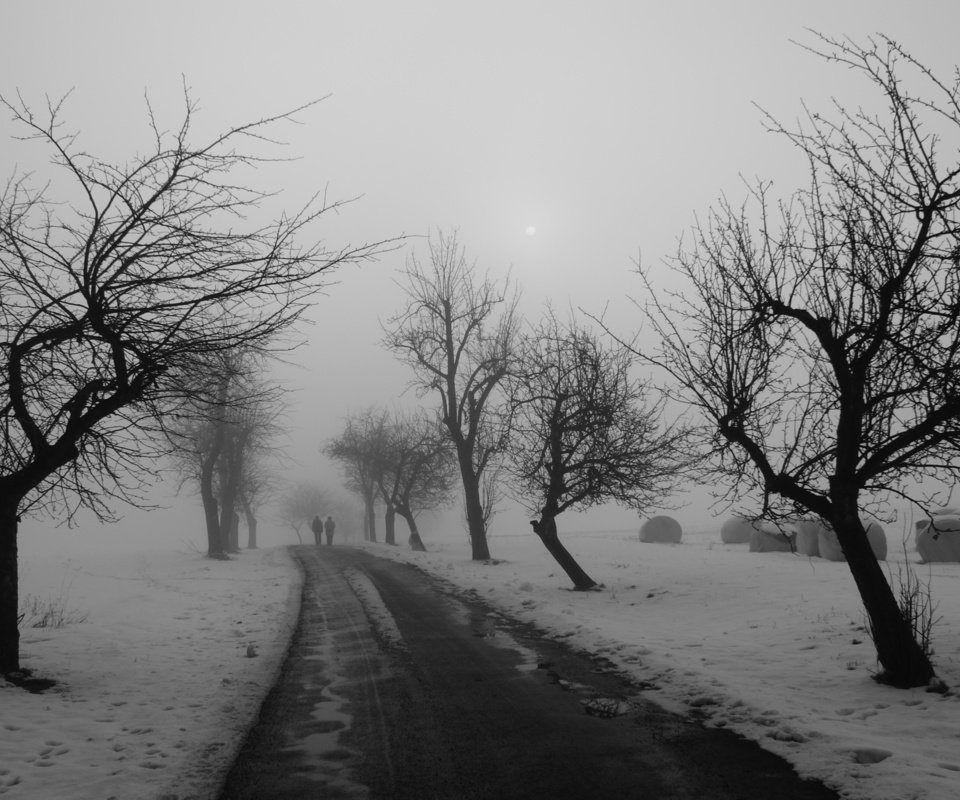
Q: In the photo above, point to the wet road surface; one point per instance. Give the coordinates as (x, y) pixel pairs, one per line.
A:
(394, 688)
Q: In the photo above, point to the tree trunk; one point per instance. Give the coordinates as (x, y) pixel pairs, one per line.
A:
(904, 663)
(211, 516)
(235, 533)
(546, 529)
(370, 522)
(480, 551)
(9, 591)
(251, 526)
(415, 542)
(390, 525)
(230, 466)
(208, 464)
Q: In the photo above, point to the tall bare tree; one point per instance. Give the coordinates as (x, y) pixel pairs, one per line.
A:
(421, 468)
(226, 412)
(362, 452)
(585, 432)
(820, 334)
(457, 333)
(114, 289)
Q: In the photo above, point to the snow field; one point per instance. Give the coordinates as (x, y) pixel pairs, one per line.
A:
(157, 686)
(159, 683)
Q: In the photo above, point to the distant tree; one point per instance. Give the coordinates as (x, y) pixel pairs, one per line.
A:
(301, 504)
(584, 432)
(361, 451)
(250, 424)
(225, 424)
(421, 468)
(114, 290)
(255, 483)
(456, 332)
(819, 335)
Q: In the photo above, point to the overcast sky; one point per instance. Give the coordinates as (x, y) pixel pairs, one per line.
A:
(604, 126)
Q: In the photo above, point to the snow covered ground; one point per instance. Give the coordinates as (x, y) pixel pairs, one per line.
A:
(157, 684)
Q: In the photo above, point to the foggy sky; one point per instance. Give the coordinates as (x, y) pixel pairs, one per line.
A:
(605, 125)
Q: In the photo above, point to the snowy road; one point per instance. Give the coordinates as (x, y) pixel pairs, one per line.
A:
(396, 689)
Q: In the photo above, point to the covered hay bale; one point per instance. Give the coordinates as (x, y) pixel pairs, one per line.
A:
(737, 530)
(661, 529)
(808, 536)
(940, 541)
(830, 545)
(771, 538)
(878, 540)
(951, 511)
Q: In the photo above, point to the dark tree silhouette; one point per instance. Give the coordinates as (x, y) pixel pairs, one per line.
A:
(819, 334)
(219, 435)
(584, 432)
(362, 452)
(113, 291)
(457, 333)
(421, 468)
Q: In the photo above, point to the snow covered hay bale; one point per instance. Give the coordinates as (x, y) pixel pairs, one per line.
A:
(661, 529)
(769, 537)
(878, 540)
(737, 530)
(830, 545)
(941, 540)
(808, 536)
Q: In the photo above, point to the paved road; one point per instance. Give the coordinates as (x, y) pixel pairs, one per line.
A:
(393, 688)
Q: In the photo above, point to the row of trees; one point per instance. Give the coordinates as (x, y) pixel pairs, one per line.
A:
(817, 337)
(137, 277)
(220, 439)
(554, 408)
(404, 460)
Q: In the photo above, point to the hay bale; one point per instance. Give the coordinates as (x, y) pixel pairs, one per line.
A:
(771, 538)
(737, 530)
(939, 542)
(808, 536)
(662, 529)
(830, 545)
(878, 540)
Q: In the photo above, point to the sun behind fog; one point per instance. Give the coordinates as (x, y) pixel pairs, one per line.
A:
(531, 231)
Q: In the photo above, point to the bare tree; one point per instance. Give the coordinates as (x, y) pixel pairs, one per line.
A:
(585, 432)
(819, 335)
(362, 452)
(457, 334)
(301, 504)
(228, 416)
(421, 468)
(250, 423)
(255, 483)
(113, 291)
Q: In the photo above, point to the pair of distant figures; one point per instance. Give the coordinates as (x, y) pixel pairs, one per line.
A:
(323, 527)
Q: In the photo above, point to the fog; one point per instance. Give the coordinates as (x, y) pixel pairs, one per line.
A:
(562, 140)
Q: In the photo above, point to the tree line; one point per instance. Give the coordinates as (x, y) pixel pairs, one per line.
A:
(814, 339)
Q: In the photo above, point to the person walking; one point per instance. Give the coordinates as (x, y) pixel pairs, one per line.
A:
(317, 527)
(329, 526)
